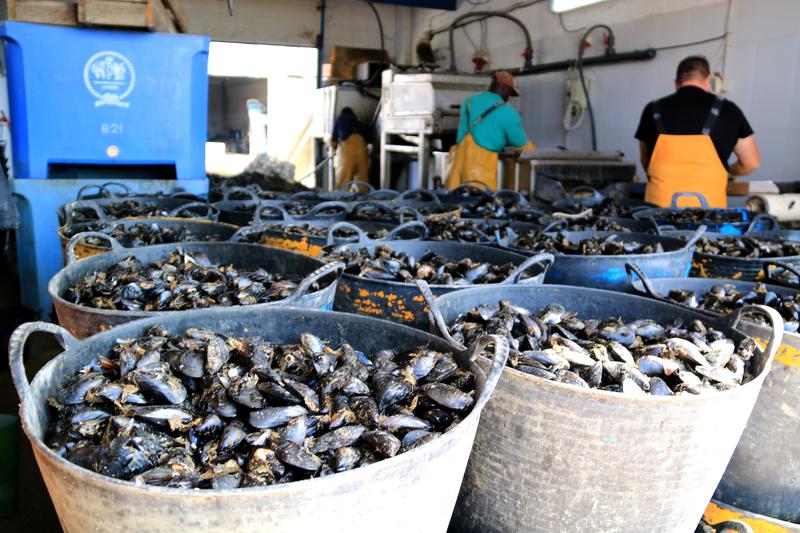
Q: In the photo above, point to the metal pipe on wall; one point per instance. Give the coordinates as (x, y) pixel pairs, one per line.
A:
(635, 55)
(320, 42)
(485, 14)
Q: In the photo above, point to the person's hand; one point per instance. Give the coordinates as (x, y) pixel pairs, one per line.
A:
(529, 147)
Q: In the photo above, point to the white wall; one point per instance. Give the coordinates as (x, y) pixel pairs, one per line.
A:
(762, 67)
(296, 22)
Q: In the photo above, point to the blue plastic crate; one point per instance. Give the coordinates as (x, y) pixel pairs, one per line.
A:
(96, 99)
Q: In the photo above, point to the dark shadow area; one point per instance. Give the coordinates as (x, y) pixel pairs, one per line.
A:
(35, 511)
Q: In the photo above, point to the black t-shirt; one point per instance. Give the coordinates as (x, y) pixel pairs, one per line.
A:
(685, 113)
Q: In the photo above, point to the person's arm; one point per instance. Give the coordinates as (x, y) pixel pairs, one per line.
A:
(748, 158)
(644, 155)
(462, 121)
(515, 133)
(646, 134)
(337, 132)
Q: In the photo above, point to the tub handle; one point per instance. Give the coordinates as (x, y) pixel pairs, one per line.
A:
(184, 195)
(775, 320)
(414, 224)
(499, 358)
(353, 186)
(466, 188)
(73, 242)
(240, 233)
(786, 266)
(434, 314)
(126, 191)
(733, 526)
(475, 184)
(635, 272)
(16, 350)
(771, 221)
(258, 220)
(99, 190)
(212, 213)
(557, 225)
(382, 195)
(658, 230)
(363, 238)
(678, 195)
(421, 195)
(318, 274)
(595, 194)
(515, 197)
(380, 206)
(543, 258)
(314, 211)
(695, 237)
(83, 204)
(250, 195)
(304, 195)
(411, 212)
(104, 190)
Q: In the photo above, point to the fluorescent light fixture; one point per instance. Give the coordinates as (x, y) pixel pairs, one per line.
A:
(559, 6)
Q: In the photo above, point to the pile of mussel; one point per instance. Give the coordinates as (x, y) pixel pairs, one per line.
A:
(465, 230)
(561, 244)
(383, 263)
(609, 207)
(697, 215)
(496, 207)
(639, 357)
(183, 281)
(310, 230)
(748, 247)
(725, 298)
(138, 234)
(122, 209)
(204, 410)
(591, 223)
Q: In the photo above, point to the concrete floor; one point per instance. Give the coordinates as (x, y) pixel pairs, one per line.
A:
(35, 511)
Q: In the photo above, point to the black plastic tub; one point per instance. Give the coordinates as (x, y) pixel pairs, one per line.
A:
(401, 301)
(608, 271)
(83, 321)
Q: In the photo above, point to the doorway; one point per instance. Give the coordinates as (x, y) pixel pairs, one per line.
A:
(258, 104)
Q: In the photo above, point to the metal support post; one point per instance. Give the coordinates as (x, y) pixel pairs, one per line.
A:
(386, 161)
(423, 161)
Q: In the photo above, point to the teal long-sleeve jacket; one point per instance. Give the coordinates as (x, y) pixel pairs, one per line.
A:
(501, 128)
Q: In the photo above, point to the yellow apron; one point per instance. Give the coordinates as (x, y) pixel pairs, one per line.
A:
(469, 161)
(687, 163)
(353, 161)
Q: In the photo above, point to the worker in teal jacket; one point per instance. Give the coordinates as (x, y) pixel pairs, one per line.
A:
(488, 124)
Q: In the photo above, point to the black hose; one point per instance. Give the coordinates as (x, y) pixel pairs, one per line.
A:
(484, 15)
(383, 47)
(579, 65)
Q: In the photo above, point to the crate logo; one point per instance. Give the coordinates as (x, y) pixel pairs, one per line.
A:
(109, 76)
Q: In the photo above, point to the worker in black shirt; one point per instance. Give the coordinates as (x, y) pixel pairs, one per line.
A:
(350, 136)
(687, 138)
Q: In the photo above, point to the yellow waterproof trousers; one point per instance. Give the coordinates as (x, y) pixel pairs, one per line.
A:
(469, 161)
(353, 160)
